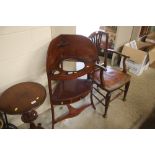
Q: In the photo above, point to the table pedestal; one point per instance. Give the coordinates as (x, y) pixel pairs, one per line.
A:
(29, 117)
(22, 99)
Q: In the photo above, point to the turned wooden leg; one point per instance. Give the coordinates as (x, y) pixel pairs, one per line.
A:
(29, 117)
(126, 90)
(91, 98)
(107, 101)
(53, 117)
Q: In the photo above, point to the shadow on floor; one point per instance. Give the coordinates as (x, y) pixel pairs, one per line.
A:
(149, 123)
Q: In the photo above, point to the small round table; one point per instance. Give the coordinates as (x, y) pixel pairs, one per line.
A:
(23, 99)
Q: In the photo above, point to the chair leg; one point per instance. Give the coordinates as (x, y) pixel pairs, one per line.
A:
(91, 98)
(126, 90)
(107, 101)
(53, 118)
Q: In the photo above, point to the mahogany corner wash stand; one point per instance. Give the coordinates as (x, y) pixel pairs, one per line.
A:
(69, 87)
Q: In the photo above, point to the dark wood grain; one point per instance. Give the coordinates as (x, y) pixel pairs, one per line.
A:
(105, 77)
(69, 91)
(19, 98)
(100, 40)
(113, 79)
(68, 87)
(23, 98)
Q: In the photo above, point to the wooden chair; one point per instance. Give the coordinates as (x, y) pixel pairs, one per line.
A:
(107, 78)
(65, 85)
(99, 39)
(96, 37)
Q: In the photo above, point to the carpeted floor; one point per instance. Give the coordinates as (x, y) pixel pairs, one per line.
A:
(121, 115)
(149, 123)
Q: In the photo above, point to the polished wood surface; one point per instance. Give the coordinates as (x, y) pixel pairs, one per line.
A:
(113, 78)
(23, 98)
(108, 78)
(69, 47)
(69, 91)
(68, 87)
(96, 38)
(72, 112)
(100, 40)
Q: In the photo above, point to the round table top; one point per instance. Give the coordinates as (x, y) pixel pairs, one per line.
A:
(22, 97)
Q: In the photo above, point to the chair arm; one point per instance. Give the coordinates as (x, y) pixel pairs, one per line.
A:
(113, 51)
(101, 66)
(102, 69)
(124, 58)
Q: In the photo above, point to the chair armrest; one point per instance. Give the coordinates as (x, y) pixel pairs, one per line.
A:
(100, 66)
(113, 51)
(124, 58)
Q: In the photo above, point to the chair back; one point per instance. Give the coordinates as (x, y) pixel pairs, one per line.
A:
(100, 39)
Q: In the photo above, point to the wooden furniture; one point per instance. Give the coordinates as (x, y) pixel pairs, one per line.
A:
(109, 79)
(145, 30)
(1, 121)
(65, 85)
(97, 38)
(112, 31)
(6, 124)
(23, 98)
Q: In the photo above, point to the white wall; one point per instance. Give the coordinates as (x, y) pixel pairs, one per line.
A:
(135, 33)
(123, 36)
(56, 30)
(23, 57)
(86, 30)
(22, 54)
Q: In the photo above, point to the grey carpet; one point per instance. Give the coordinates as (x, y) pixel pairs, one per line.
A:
(121, 115)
